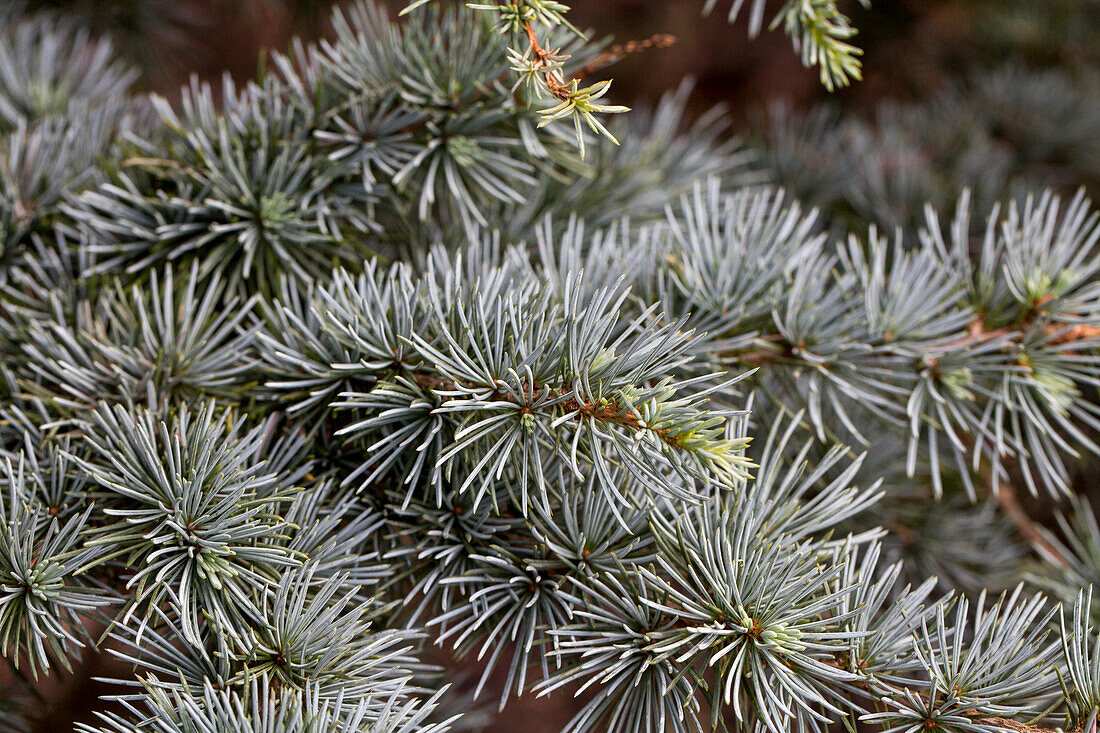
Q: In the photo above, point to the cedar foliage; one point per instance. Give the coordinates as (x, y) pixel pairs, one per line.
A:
(359, 362)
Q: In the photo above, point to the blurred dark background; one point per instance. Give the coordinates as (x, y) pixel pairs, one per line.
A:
(912, 47)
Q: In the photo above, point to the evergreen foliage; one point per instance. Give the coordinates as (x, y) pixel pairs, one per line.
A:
(358, 363)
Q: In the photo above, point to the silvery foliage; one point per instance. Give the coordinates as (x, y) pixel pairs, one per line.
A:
(358, 363)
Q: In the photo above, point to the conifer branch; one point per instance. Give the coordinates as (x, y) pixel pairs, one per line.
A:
(353, 362)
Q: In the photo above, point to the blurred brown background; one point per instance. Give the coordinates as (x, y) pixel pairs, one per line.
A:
(911, 46)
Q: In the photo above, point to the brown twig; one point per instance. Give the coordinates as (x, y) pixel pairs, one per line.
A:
(841, 663)
(610, 56)
(1009, 502)
(608, 412)
(1021, 727)
(1006, 495)
(619, 51)
(976, 333)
